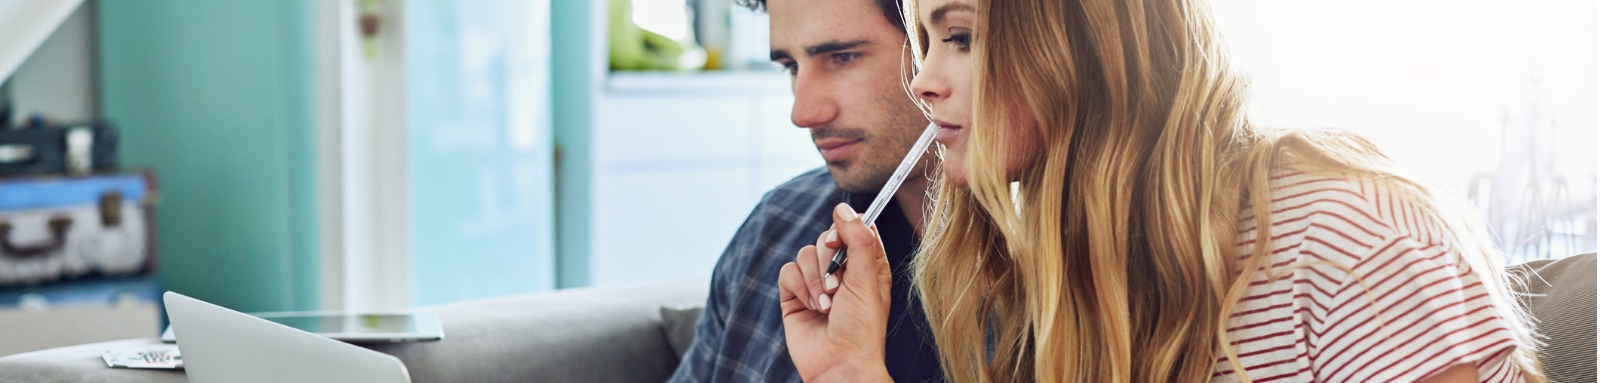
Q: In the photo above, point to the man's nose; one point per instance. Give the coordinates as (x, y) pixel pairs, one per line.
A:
(813, 104)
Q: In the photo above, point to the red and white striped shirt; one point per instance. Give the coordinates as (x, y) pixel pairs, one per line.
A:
(1419, 312)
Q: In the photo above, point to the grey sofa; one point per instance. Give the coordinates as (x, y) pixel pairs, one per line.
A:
(637, 334)
(584, 335)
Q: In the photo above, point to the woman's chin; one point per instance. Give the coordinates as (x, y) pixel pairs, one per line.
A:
(955, 174)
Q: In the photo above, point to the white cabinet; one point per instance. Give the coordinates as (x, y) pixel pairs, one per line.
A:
(678, 161)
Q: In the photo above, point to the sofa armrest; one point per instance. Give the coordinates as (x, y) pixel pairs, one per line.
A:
(82, 363)
(586, 335)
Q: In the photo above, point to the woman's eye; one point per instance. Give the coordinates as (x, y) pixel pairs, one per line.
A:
(961, 41)
(843, 58)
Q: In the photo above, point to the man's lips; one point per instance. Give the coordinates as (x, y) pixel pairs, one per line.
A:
(835, 149)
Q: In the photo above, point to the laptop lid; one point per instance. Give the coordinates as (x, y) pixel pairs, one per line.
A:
(222, 345)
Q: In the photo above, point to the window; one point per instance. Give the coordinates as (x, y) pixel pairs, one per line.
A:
(1494, 101)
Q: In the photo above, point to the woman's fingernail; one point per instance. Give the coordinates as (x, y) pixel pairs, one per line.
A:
(825, 303)
(831, 282)
(844, 210)
(833, 235)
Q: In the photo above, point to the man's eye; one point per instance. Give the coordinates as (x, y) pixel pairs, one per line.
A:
(790, 68)
(845, 57)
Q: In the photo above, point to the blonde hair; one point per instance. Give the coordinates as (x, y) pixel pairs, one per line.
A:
(1129, 277)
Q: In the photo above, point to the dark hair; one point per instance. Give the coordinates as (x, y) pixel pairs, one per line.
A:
(890, 8)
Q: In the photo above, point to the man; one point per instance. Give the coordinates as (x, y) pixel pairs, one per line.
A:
(848, 61)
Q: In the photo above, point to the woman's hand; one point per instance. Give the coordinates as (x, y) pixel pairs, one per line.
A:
(835, 327)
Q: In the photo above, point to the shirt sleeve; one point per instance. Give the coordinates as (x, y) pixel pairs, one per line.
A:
(1406, 311)
(699, 363)
(700, 358)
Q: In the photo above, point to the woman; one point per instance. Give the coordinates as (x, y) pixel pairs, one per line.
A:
(1099, 219)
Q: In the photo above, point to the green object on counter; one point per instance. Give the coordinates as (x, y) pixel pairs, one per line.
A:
(633, 48)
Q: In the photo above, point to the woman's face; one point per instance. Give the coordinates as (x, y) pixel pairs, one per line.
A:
(945, 80)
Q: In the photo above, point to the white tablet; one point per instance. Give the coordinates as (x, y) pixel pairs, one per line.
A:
(355, 328)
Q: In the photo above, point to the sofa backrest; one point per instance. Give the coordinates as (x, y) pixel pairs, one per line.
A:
(1560, 294)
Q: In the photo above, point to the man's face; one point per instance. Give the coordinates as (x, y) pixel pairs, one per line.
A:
(848, 66)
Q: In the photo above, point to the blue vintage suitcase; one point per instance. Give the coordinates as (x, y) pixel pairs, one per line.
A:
(54, 229)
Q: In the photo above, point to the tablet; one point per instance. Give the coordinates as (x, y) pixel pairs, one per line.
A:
(355, 328)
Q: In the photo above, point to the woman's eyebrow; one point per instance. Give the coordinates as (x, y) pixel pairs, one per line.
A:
(938, 14)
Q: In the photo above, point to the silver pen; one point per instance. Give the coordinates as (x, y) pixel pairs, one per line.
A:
(900, 173)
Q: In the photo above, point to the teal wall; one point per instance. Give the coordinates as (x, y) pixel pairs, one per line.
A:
(218, 97)
(571, 92)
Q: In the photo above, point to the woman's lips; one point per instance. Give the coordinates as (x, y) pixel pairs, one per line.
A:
(947, 133)
(834, 150)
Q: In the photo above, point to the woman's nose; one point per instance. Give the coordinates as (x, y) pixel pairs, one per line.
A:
(929, 85)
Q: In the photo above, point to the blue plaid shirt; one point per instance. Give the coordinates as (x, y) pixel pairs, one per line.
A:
(740, 336)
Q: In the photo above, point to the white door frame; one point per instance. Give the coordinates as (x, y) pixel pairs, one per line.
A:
(362, 169)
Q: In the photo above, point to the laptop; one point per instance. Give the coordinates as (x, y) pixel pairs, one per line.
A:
(222, 345)
(356, 328)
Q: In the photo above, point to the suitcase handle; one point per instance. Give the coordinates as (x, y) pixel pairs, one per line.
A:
(58, 239)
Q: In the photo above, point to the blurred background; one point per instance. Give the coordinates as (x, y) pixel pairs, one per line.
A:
(373, 154)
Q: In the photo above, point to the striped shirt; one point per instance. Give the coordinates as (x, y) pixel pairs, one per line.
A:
(1368, 291)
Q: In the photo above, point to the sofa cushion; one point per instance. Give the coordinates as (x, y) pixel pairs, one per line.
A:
(587, 335)
(678, 323)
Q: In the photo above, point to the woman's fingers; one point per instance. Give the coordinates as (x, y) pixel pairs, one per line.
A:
(850, 232)
(812, 288)
(827, 245)
(807, 261)
(868, 267)
(791, 290)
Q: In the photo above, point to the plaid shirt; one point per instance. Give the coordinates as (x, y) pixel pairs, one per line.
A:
(740, 336)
